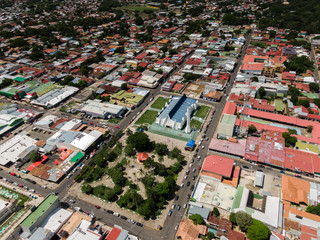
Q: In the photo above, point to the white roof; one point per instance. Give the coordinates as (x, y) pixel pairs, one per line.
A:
(101, 108)
(199, 191)
(82, 232)
(10, 150)
(270, 216)
(83, 141)
(3, 204)
(56, 219)
(72, 124)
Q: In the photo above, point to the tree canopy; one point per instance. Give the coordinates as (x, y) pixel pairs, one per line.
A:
(244, 220)
(140, 141)
(197, 219)
(258, 231)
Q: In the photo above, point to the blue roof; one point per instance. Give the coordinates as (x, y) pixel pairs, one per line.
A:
(190, 143)
(177, 108)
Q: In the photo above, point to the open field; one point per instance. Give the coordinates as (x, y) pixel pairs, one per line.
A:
(202, 111)
(148, 117)
(160, 103)
(138, 8)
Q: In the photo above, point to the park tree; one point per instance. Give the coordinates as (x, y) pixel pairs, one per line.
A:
(129, 150)
(174, 153)
(140, 141)
(258, 231)
(197, 219)
(161, 149)
(252, 129)
(147, 208)
(244, 220)
(35, 156)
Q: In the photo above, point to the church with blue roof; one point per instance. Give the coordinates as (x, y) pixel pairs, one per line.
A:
(174, 115)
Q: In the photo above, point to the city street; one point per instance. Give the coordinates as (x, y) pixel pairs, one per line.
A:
(168, 231)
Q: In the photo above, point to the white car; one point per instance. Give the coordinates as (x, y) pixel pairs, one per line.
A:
(177, 226)
(116, 214)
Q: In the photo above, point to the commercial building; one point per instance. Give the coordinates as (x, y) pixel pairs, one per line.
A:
(39, 214)
(73, 140)
(6, 209)
(174, 115)
(103, 110)
(267, 209)
(16, 148)
(221, 168)
(55, 96)
(226, 126)
(8, 122)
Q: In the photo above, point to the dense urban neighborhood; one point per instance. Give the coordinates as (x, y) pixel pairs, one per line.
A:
(159, 120)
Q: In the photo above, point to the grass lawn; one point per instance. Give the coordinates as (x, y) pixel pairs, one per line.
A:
(114, 120)
(160, 103)
(195, 124)
(139, 8)
(202, 111)
(148, 117)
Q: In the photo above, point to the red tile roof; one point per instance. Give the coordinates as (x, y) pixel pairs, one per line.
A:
(219, 165)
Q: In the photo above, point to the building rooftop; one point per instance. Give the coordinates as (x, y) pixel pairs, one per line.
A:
(219, 165)
(40, 210)
(177, 108)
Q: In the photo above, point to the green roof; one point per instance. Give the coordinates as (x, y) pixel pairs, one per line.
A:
(308, 146)
(126, 97)
(311, 95)
(228, 119)
(41, 209)
(77, 157)
(19, 79)
(279, 105)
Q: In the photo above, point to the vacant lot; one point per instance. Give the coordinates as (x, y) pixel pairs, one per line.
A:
(148, 117)
(160, 103)
(202, 111)
(138, 8)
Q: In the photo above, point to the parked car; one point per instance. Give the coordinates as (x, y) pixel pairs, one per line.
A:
(116, 214)
(173, 206)
(97, 207)
(178, 208)
(124, 217)
(177, 197)
(177, 226)
(109, 211)
(139, 224)
(188, 183)
(170, 213)
(185, 205)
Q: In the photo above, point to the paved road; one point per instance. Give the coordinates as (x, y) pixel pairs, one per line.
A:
(168, 231)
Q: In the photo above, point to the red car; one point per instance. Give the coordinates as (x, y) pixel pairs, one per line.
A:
(199, 168)
(117, 127)
(97, 207)
(21, 185)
